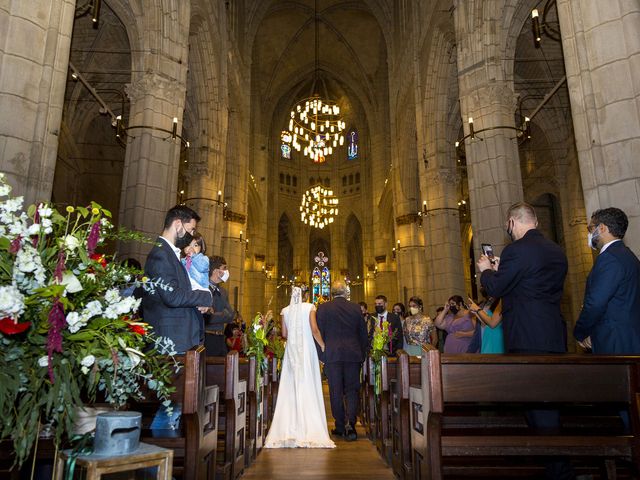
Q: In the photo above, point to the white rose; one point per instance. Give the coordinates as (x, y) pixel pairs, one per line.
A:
(43, 361)
(92, 309)
(71, 242)
(88, 361)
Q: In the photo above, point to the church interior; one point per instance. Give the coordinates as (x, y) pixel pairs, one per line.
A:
(456, 110)
(405, 129)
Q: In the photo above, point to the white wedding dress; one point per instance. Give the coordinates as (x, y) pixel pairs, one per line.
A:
(299, 419)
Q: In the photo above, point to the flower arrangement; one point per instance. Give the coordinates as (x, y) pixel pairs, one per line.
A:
(257, 339)
(379, 349)
(67, 331)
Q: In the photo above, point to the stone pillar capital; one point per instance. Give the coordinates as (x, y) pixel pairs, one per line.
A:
(447, 177)
(155, 85)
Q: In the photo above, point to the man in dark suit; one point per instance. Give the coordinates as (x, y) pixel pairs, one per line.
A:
(346, 345)
(610, 318)
(396, 334)
(529, 277)
(221, 311)
(172, 312)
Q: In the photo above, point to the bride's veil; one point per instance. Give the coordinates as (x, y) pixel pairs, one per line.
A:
(295, 327)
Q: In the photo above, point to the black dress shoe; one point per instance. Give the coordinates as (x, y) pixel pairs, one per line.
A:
(335, 431)
(350, 434)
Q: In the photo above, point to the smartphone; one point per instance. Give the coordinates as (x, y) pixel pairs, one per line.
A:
(487, 249)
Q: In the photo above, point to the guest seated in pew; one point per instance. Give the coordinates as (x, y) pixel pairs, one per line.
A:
(418, 328)
(459, 324)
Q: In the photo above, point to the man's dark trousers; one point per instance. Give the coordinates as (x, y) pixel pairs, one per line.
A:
(344, 387)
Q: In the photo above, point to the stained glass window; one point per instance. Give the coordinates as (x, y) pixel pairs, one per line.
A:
(286, 150)
(352, 147)
(321, 279)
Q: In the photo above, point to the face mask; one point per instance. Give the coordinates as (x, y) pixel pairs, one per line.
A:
(592, 239)
(510, 230)
(184, 241)
(414, 310)
(379, 309)
(453, 309)
(225, 276)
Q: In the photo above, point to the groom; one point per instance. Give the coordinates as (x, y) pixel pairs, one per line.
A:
(346, 344)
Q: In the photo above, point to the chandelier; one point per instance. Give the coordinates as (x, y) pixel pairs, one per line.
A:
(316, 123)
(319, 207)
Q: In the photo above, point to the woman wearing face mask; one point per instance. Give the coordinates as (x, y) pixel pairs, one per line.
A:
(459, 324)
(418, 328)
(400, 310)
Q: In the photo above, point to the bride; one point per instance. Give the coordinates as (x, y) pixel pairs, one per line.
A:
(300, 419)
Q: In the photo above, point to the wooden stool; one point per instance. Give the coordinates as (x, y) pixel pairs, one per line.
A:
(145, 456)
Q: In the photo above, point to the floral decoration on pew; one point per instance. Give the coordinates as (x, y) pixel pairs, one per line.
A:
(260, 337)
(68, 331)
(379, 349)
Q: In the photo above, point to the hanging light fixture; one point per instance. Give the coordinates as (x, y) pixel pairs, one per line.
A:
(315, 124)
(319, 207)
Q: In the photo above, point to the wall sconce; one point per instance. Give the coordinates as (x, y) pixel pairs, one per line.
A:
(393, 253)
(539, 28)
(524, 131)
(173, 132)
(214, 201)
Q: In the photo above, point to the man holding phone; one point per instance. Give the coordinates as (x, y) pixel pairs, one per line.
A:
(529, 278)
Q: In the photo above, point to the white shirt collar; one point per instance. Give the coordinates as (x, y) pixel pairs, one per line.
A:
(175, 249)
(606, 245)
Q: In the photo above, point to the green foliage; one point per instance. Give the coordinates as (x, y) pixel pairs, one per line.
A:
(49, 367)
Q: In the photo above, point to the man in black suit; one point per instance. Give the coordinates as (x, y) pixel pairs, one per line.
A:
(529, 277)
(610, 318)
(396, 334)
(221, 310)
(346, 345)
(172, 311)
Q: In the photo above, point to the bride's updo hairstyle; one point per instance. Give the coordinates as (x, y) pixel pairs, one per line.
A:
(340, 289)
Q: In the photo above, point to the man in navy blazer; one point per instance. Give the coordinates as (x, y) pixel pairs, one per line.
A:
(529, 277)
(346, 345)
(610, 318)
(172, 312)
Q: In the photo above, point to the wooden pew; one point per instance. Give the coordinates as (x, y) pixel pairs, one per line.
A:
(368, 400)
(272, 392)
(570, 381)
(255, 430)
(407, 373)
(382, 417)
(194, 443)
(224, 371)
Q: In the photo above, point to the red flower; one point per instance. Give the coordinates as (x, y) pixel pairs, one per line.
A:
(94, 237)
(10, 327)
(139, 329)
(14, 246)
(100, 258)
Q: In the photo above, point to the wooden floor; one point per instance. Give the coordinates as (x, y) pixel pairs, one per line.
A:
(349, 460)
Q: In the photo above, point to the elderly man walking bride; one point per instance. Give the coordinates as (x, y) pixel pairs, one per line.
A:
(341, 335)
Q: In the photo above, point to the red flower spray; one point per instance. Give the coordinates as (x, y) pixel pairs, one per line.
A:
(57, 322)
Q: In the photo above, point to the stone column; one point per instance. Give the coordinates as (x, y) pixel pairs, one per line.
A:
(150, 176)
(410, 258)
(443, 248)
(601, 52)
(35, 39)
(495, 182)
(206, 179)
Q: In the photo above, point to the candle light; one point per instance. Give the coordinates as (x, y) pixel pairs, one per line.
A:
(174, 131)
(240, 235)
